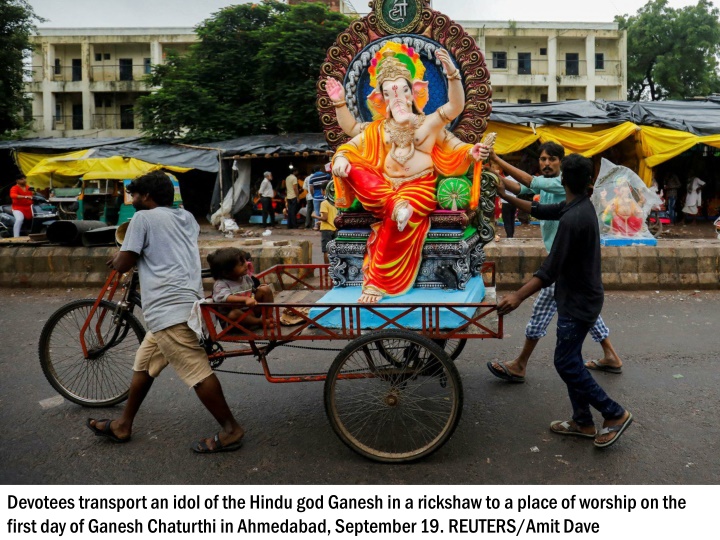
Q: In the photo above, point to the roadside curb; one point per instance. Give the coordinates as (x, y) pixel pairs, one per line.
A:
(60, 266)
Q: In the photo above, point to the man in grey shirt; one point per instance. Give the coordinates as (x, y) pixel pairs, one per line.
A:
(162, 242)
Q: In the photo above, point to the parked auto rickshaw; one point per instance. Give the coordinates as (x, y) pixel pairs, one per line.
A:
(103, 197)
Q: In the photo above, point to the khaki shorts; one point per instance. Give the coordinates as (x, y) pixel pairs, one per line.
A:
(178, 346)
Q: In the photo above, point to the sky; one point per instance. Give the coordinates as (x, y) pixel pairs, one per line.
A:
(188, 13)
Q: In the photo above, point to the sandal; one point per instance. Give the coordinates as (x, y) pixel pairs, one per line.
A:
(201, 447)
(566, 428)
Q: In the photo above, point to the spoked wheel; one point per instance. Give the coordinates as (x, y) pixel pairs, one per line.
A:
(453, 347)
(102, 378)
(393, 396)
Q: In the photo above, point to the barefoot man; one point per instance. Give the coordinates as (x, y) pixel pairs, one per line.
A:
(391, 164)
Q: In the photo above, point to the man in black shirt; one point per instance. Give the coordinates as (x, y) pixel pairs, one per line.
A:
(574, 266)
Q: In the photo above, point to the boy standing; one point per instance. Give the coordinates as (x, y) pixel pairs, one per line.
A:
(328, 212)
(574, 266)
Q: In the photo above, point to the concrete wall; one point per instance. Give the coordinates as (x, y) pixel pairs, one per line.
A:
(59, 266)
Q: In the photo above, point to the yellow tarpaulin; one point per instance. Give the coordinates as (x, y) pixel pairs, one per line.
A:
(67, 171)
(26, 161)
(585, 141)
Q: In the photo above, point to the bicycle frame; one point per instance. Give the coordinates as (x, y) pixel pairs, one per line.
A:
(130, 298)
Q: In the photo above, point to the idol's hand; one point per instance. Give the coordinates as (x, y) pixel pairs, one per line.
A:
(341, 167)
(480, 152)
(444, 57)
(335, 90)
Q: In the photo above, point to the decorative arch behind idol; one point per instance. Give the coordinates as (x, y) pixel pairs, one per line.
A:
(349, 58)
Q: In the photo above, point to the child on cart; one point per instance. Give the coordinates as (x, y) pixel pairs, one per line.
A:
(235, 284)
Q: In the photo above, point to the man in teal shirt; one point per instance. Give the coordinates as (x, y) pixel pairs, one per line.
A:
(551, 191)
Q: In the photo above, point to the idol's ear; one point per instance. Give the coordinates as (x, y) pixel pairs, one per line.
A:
(376, 104)
(420, 93)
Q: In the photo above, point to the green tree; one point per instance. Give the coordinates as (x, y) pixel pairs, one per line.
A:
(672, 53)
(17, 22)
(253, 71)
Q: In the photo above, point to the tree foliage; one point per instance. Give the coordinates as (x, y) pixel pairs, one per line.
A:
(253, 71)
(672, 53)
(17, 22)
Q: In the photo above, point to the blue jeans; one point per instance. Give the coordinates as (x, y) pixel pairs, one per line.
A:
(582, 388)
(671, 201)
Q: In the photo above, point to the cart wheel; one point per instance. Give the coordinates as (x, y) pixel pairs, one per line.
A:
(103, 379)
(388, 409)
(453, 347)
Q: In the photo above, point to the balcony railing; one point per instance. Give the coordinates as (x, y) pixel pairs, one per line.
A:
(122, 72)
(64, 123)
(115, 121)
(516, 67)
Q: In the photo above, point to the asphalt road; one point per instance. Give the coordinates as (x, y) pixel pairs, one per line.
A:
(668, 340)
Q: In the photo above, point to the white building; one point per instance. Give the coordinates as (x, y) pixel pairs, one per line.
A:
(533, 62)
(86, 80)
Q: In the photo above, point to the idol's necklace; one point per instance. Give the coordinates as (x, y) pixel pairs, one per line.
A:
(402, 136)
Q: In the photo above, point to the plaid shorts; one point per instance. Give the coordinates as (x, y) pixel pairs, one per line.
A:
(544, 310)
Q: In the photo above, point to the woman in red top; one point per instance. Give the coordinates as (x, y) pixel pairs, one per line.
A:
(21, 203)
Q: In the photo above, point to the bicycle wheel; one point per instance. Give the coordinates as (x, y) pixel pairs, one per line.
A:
(388, 409)
(102, 379)
(453, 347)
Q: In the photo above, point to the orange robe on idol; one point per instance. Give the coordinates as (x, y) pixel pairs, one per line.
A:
(393, 258)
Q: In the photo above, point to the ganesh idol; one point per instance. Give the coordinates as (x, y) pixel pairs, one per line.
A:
(391, 164)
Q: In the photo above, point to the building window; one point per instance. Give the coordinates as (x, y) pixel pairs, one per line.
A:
(126, 69)
(499, 100)
(58, 112)
(108, 102)
(127, 117)
(543, 51)
(572, 64)
(600, 60)
(106, 56)
(58, 69)
(499, 60)
(147, 66)
(524, 65)
(543, 98)
(77, 69)
(98, 57)
(98, 102)
(524, 101)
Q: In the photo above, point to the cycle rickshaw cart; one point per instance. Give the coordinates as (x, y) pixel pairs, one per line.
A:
(392, 394)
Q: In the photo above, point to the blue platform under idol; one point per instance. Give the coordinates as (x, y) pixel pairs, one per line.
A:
(474, 292)
(628, 241)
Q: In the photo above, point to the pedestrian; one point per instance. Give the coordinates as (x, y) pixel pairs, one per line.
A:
(507, 210)
(21, 206)
(573, 264)
(291, 197)
(326, 217)
(313, 185)
(549, 187)
(267, 193)
(672, 184)
(693, 199)
(162, 242)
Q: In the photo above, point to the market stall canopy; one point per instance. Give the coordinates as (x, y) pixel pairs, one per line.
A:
(65, 171)
(64, 144)
(273, 145)
(700, 117)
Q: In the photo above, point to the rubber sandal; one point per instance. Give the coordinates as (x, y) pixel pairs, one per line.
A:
(619, 429)
(562, 427)
(106, 431)
(595, 365)
(201, 446)
(504, 374)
